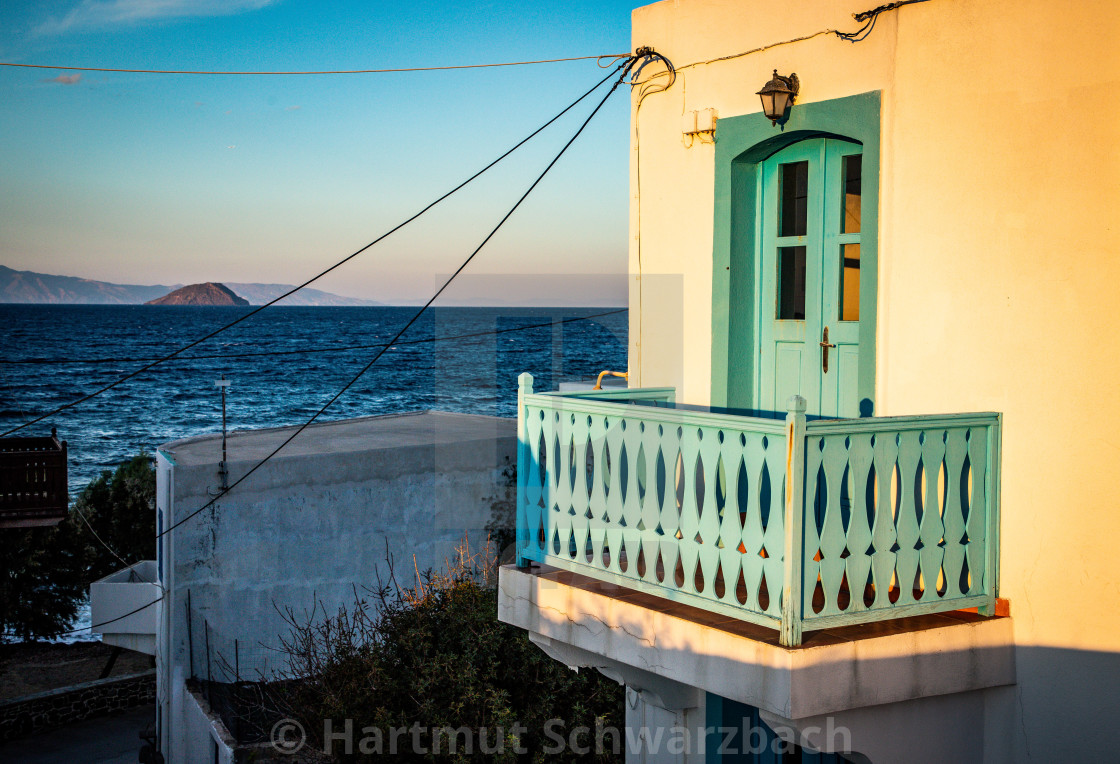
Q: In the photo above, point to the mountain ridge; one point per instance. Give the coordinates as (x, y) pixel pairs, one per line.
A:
(31, 288)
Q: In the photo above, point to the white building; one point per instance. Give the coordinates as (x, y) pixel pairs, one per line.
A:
(927, 232)
(300, 533)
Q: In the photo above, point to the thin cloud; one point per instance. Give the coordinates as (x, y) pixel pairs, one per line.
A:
(293, 108)
(66, 79)
(96, 14)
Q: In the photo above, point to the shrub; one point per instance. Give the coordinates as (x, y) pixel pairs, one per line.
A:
(436, 656)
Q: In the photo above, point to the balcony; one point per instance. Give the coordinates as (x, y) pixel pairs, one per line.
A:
(794, 524)
(32, 481)
(125, 603)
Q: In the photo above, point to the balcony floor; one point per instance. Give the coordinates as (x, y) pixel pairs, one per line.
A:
(762, 634)
(647, 639)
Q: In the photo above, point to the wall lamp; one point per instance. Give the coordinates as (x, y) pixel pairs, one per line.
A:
(778, 95)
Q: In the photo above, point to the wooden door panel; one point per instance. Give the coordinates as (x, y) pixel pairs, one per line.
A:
(788, 373)
(826, 241)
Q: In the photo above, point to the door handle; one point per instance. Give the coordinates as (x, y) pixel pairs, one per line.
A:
(825, 345)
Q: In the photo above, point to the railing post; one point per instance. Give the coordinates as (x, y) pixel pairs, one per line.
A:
(794, 517)
(991, 553)
(524, 387)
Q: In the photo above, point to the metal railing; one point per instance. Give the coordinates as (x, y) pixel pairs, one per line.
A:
(788, 523)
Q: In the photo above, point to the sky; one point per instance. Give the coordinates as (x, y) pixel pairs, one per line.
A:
(166, 179)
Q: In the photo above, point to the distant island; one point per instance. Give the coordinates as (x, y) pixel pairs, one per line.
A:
(200, 294)
(30, 288)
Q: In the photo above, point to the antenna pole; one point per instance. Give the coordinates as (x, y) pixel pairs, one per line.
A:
(223, 384)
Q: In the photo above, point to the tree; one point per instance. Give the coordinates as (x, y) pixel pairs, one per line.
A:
(120, 507)
(43, 578)
(45, 573)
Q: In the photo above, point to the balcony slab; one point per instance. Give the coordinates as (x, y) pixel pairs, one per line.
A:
(832, 671)
(120, 594)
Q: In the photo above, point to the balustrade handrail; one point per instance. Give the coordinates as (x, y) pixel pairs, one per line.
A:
(792, 525)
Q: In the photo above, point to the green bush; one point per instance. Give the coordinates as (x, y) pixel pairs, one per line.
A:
(437, 656)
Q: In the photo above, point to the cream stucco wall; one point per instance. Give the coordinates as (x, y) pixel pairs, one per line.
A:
(998, 267)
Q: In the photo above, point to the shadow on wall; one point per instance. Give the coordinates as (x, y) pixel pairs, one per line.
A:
(1061, 708)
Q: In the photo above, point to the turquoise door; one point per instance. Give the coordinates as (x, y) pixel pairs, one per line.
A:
(808, 285)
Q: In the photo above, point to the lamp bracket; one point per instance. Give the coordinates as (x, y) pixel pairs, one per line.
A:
(791, 82)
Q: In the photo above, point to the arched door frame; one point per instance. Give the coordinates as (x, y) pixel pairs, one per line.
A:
(742, 145)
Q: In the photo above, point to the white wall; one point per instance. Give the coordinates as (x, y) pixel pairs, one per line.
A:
(201, 734)
(303, 532)
(999, 260)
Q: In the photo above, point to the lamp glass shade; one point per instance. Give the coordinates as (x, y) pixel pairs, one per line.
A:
(774, 104)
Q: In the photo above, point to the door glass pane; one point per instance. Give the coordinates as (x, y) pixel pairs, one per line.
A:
(791, 283)
(852, 177)
(794, 194)
(849, 282)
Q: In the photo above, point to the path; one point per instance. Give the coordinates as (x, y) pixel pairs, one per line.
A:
(106, 740)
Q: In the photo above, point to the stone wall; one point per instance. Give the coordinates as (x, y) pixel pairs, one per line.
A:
(55, 708)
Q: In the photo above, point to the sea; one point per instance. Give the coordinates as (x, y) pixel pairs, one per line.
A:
(282, 364)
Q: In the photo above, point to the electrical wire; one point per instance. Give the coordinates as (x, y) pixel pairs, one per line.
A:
(760, 49)
(867, 18)
(391, 343)
(315, 278)
(865, 15)
(644, 89)
(405, 342)
(94, 626)
(304, 351)
(600, 59)
(473, 335)
(625, 69)
(112, 551)
(862, 33)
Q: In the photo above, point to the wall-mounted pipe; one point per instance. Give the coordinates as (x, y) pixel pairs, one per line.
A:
(604, 373)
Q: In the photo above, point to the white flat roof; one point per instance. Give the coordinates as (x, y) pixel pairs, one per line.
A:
(371, 433)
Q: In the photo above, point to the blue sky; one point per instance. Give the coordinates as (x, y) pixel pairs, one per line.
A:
(142, 178)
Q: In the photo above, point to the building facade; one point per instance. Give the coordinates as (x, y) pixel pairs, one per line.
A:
(923, 250)
(299, 537)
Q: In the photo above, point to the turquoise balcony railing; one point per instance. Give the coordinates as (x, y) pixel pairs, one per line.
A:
(788, 523)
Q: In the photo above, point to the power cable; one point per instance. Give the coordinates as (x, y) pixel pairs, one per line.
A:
(866, 17)
(112, 551)
(600, 59)
(304, 351)
(315, 278)
(625, 69)
(645, 89)
(472, 335)
(94, 626)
